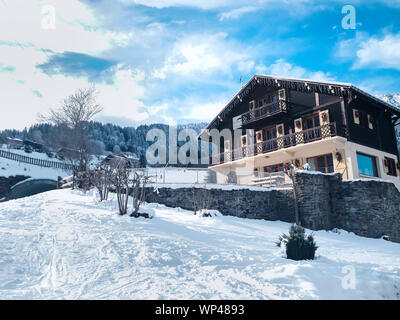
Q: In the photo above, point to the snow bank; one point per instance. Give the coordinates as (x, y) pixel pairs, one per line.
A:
(63, 244)
(366, 179)
(208, 213)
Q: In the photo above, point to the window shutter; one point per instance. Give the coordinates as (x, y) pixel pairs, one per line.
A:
(259, 136)
(385, 166)
(356, 116)
(282, 94)
(252, 104)
(370, 122)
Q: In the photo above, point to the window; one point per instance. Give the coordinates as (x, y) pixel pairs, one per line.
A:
(367, 165)
(274, 168)
(323, 163)
(311, 121)
(363, 119)
(390, 166)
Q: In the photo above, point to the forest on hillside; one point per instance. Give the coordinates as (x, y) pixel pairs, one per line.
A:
(103, 138)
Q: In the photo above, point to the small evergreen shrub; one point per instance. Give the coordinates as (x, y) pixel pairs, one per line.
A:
(28, 149)
(298, 246)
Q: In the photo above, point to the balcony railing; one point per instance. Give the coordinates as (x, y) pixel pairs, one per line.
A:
(287, 141)
(265, 111)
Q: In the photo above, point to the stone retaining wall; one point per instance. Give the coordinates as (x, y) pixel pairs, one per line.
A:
(368, 208)
(245, 203)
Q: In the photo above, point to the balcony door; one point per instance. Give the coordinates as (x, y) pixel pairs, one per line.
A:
(270, 136)
(311, 125)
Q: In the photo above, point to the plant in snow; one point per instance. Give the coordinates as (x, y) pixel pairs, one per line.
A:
(138, 186)
(208, 213)
(298, 246)
(120, 180)
(101, 178)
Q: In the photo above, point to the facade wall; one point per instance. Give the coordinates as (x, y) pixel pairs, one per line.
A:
(347, 166)
(351, 150)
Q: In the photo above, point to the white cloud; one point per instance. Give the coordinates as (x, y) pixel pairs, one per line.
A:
(283, 68)
(379, 53)
(77, 28)
(24, 45)
(236, 13)
(20, 105)
(371, 51)
(203, 54)
(202, 4)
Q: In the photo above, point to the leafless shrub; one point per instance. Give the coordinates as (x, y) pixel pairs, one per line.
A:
(101, 179)
(82, 180)
(138, 185)
(128, 182)
(120, 180)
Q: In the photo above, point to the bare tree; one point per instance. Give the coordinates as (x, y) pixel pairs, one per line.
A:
(138, 185)
(75, 112)
(120, 179)
(101, 179)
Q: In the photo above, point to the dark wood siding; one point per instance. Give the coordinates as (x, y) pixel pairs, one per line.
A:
(382, 136)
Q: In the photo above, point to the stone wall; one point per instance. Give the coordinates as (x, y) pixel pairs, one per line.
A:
(245, 203)
(369, 208)
(7, 182)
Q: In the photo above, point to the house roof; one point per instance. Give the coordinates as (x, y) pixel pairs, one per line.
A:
(306, 85)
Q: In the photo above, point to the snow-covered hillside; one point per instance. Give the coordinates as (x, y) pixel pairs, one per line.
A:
(64, 244)
(393, 99)
(10, 168)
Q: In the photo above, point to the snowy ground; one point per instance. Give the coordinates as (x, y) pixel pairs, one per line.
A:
(177, 175)
(10, 168)
(65, 245)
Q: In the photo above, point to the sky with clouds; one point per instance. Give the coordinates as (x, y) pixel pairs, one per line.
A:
(182, 60)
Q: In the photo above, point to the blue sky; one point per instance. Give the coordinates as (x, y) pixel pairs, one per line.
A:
(181, 60)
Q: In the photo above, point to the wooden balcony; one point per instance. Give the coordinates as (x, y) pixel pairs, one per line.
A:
(287, 141)
(265, 111)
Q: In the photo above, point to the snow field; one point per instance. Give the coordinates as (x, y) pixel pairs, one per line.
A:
(64, 244)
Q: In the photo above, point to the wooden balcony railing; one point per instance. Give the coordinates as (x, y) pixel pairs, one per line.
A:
(287, 141)
(265, 111)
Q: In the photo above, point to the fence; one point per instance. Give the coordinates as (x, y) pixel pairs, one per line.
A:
(35, 162)
(192, 176)
(206, 176)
